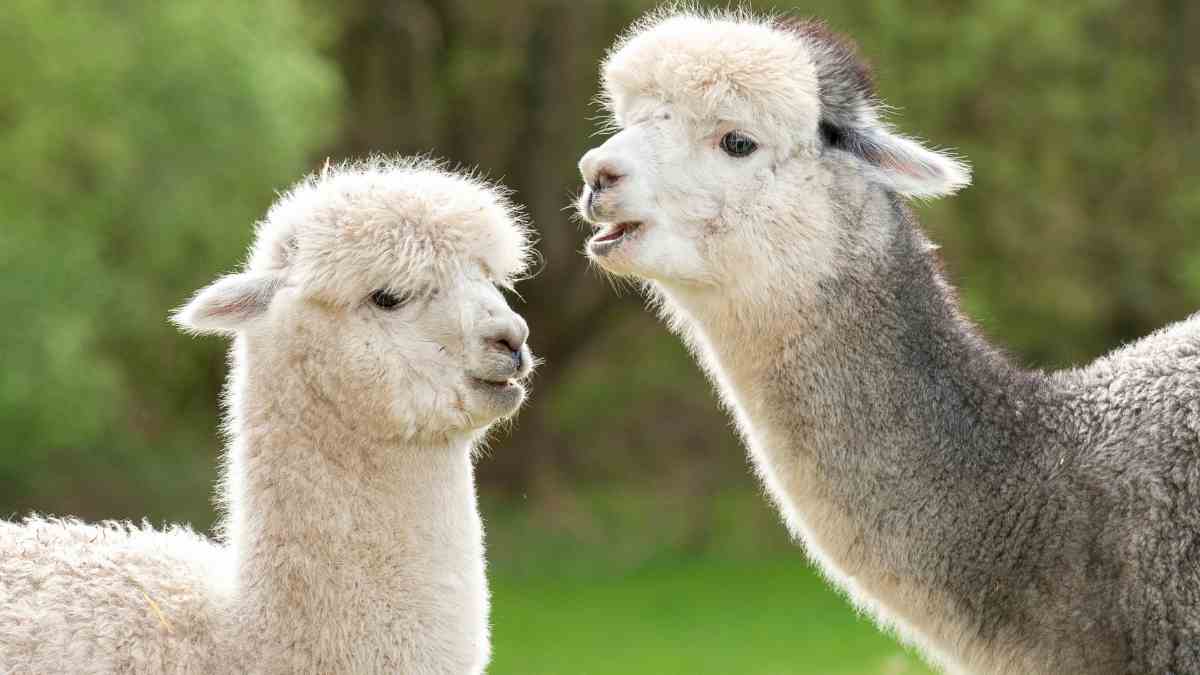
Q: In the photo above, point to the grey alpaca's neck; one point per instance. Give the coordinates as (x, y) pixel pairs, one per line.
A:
(899, 445)
(348, 549)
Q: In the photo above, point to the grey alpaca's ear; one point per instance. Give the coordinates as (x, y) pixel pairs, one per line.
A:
(227, 304)
(850, 118)
(900, 163)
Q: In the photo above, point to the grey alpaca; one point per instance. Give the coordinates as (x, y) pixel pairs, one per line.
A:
(1004, 520)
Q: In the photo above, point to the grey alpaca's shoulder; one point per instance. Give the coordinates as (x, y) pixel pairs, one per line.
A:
(1141, 400)
(1136, 415)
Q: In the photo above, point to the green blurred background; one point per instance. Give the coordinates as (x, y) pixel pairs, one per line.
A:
(140, 139)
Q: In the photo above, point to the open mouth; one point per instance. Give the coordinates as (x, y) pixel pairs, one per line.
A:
(610, 234)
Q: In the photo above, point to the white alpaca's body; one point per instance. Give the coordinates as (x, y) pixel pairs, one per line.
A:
(170, 602)
(163, 595)
(351, 541)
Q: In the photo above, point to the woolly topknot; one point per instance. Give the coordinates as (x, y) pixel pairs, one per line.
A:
(405, 224)
(727, 65)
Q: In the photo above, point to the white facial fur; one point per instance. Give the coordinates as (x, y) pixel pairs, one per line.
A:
(440, 363)
(687, 194)
(448, 358)
(675, 85)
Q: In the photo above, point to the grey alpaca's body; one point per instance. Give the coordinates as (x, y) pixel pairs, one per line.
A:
(1006, 521)
(1057, 517)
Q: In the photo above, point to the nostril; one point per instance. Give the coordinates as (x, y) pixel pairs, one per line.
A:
(606, 178)
(511, 348)
(507, 344)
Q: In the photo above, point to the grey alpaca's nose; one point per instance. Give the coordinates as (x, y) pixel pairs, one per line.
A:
(598, 172)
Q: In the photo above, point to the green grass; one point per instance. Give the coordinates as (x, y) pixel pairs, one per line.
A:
(651, 579)
(699, 616)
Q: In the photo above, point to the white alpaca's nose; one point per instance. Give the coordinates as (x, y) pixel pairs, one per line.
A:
(509, 335)
(505, 334)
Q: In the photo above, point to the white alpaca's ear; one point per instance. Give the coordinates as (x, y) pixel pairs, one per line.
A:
(227, 304)
(902, 164)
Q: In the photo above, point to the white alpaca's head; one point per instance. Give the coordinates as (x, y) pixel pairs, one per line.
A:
(378, 283)
(722, 124)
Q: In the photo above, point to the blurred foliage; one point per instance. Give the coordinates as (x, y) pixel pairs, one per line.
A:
(142, 139)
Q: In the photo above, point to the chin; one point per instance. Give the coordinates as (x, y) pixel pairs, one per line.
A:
(615, 249)
(493, 401)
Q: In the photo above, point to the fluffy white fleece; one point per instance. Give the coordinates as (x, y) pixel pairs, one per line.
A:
(351, 541)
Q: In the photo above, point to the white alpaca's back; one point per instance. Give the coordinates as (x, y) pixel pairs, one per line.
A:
(162, 593)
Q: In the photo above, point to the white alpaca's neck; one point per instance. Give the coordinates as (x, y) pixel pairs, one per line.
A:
(351, 554)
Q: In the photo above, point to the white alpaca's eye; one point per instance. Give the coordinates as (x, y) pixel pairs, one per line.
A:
(385, 300)
(737, 144)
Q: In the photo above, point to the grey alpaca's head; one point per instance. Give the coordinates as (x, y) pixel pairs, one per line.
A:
(727, 125)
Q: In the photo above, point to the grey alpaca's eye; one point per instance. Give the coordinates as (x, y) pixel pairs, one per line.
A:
(385, 300)
(737, 144)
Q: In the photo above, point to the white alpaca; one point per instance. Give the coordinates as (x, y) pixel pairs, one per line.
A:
(373, 350)
(1007, 521)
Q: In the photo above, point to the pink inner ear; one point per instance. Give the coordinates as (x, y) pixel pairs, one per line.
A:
(913, 169)
(228, 302)
(238, 305)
